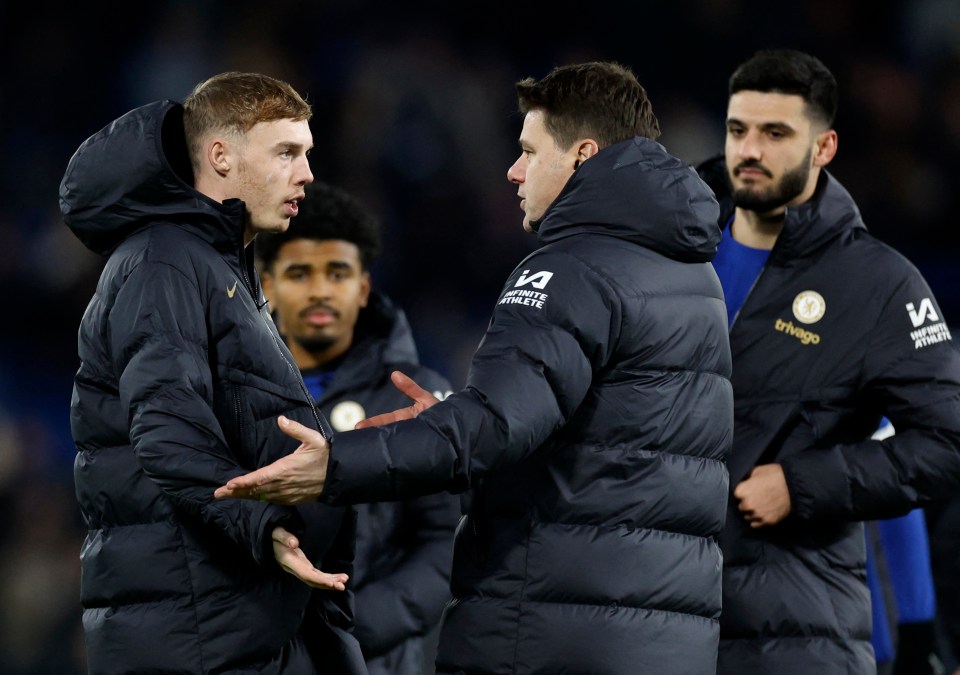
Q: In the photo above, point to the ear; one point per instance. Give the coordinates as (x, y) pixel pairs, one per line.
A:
(586, 149)
(366, 284)
(219, 157)
(826, 148)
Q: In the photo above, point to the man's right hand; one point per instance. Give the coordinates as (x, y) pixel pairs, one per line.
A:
(299, 477)
(422, 399)
(764, 498)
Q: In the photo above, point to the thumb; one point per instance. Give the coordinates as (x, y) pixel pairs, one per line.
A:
(292, 428)
(400, 379)
(411, 389)
(282, 536)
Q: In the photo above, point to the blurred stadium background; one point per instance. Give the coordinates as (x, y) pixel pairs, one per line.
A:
(414, 112)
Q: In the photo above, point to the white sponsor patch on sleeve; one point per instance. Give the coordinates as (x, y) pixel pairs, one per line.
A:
(930, 334)
(537, 280)
(522, 297)
(525, 296)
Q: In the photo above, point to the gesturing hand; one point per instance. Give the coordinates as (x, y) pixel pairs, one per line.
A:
(422, 399)
(299, 477)
(289, 555)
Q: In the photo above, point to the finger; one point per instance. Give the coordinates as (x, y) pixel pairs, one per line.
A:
(738, 492)
(231, 491)
(406, 385)
(412, 390)
(281, 536)
(225, 492)
(331, 582)
(300, 567)
(295, 429)
(245, 484)
(384, 418)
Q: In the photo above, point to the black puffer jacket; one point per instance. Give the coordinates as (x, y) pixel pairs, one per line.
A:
(181, 379)
(401, 578)
(594, 426)
(838, 331)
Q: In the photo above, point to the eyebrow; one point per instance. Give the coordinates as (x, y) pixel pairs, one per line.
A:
(333, 264)
(292, 145)
(297, 267)
(764, 126)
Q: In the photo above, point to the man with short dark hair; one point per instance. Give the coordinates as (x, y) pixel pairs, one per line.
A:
(596, 418)
(830, 330)
(346, 337)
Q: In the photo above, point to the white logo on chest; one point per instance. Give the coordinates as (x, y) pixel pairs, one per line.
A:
(346, 414)
(809, 307)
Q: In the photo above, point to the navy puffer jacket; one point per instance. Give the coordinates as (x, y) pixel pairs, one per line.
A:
(838, 331)
(181, 379)
(401, 576)
(594, 427)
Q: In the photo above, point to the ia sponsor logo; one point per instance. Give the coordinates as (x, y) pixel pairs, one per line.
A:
(523, 296)
(931, 333)
(926, 311)
(537, 280)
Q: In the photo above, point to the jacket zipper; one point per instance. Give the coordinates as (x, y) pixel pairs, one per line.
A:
(303, 388)
(747, 296)
(293, 368)
(756, 281)
(239, 411)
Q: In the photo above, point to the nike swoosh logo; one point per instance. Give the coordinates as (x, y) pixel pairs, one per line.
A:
(231, 291)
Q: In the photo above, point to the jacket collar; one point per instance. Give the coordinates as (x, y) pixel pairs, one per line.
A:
(830, 213)
(135, 172)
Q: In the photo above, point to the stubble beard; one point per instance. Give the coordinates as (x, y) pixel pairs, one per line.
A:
(255, 195)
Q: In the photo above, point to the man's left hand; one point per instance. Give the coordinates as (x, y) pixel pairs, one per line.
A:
(422, 399)
(286, 549)
(763, 496)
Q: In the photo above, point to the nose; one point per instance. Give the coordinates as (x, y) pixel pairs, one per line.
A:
(304, 174)
(517, 172)
(749, 147)
(319, 286)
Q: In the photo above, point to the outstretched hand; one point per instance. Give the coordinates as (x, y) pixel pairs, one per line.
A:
(299, 477)
(289, 555)
(422, 399)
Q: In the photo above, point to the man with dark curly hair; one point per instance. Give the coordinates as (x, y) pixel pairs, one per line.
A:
(347, 337)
